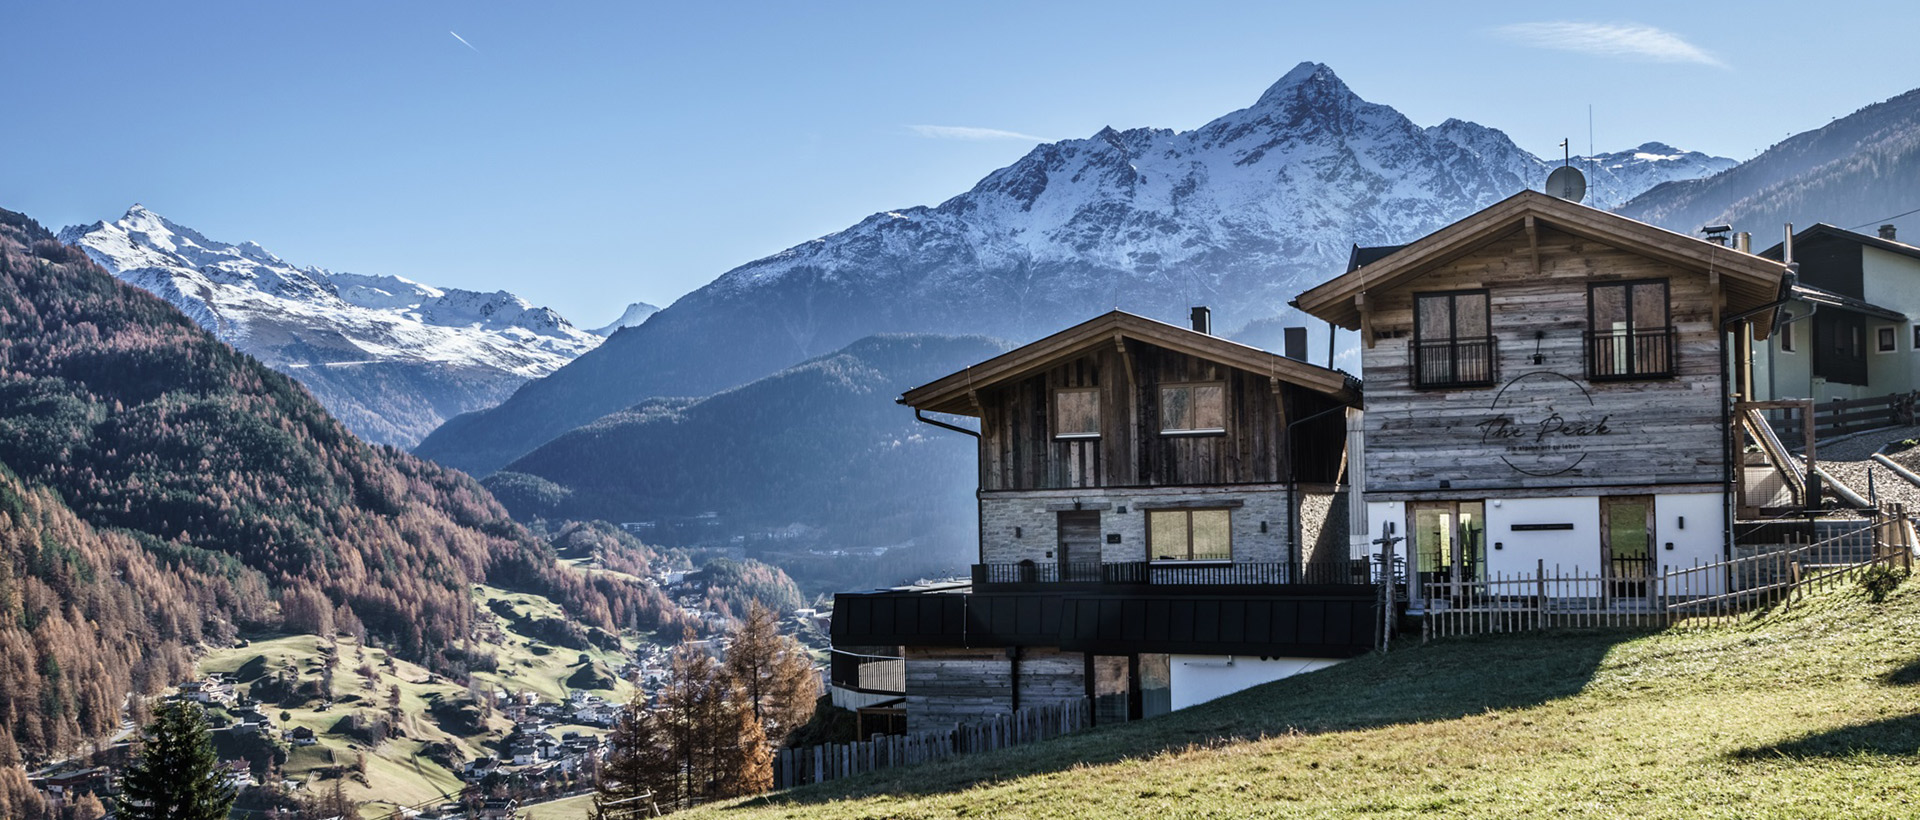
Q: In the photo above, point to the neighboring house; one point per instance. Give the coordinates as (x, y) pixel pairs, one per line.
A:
(1545, 388)
(1160, 524)
(214, 689)
(1850, 331)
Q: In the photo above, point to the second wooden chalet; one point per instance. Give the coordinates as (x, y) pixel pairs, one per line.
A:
(1552, 385)
(1160, 523)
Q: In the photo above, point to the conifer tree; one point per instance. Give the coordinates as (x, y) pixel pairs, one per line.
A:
(640, 767)
(178, 776)
(774, 673)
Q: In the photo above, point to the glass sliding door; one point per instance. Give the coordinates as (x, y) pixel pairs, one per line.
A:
(1626, 544)
(1449, 544)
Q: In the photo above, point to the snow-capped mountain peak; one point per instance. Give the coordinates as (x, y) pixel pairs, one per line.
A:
(638, 312)
(306, 319)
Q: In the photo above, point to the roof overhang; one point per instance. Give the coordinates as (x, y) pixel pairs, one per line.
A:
(1748, 281)
(955, 393)
(1821, 230)
(1818, 296)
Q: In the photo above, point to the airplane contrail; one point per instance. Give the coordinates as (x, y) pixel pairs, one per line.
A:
(463, 41)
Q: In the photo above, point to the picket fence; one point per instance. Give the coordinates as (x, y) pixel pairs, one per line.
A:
(1699, 595)
(818, 764)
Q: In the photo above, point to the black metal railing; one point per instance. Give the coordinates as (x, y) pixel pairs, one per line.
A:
(1460, 362)
(868, 673)
(1644, 353)
(1174, 573)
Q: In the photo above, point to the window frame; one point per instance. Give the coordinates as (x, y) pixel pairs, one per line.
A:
(1192, 431)
(1667, 333)
(1453, 340)
(1053, 422)
(1886, 339)
(1153, 555)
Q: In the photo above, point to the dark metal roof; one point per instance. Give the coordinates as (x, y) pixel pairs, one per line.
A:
(1818, 296)
(1822, 230)
(1362, 257)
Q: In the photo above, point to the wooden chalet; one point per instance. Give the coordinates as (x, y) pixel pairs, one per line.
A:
(1550, 385)
(1161, 523)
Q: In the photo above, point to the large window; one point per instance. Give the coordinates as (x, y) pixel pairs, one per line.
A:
(1189, 535)
(1193, 409)
(1452, 340)
(1076, 413)
(1628, 335)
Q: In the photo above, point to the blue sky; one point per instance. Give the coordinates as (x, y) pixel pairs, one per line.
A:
(585, 155)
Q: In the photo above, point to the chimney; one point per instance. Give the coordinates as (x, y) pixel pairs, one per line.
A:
(1786, 246)
(1886, 232)
(1295, 346)
(1202, 320)
(1717, 234)
(1743, 242)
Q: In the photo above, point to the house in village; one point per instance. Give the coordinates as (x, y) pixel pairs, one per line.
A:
(1160, 524)
(1852, 328)
(1551, 385)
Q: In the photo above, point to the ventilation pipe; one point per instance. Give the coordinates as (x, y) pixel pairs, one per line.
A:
(1743, 242)
(1202, 320)
(1887, 232)
(1295, 346)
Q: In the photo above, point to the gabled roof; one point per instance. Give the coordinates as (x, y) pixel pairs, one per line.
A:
(1821, 230)
(954, 393)
(1748, 280)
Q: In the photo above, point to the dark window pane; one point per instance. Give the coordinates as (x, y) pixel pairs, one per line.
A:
(1076, 413)
(1650, 306)
(1433, 321)
(1470, 315)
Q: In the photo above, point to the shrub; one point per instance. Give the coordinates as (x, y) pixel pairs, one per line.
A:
(1879, 580)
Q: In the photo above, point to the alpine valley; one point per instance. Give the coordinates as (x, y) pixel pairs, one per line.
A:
(391, 358)
(1239, 214)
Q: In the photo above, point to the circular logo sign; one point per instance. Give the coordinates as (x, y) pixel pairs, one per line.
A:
(1544, 423)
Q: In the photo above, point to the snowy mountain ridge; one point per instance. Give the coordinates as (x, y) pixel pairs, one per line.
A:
(1240, 214)
(303, 320)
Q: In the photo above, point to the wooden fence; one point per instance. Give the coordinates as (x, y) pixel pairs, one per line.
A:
(1843, 416)
(818, 764)
(1699, 595)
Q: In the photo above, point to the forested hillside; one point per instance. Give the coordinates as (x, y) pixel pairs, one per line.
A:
(165, 489)
(821, 445)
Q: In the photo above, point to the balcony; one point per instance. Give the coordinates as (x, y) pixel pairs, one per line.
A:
(1190, 576)
(1645, 353)
(1458, 362)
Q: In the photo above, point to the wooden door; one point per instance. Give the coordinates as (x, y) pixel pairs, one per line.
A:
(1626, 544)
(1079, 545)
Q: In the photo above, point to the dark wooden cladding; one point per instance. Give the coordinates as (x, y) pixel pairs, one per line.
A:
(1019, 452)
(1310, 620)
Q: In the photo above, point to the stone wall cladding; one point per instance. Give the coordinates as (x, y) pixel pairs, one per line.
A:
(1035, 513)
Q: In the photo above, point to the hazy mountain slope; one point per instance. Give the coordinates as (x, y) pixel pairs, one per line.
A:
(391, 357)
(821, 444)
(1860, 168)
(149, 428)
(1240, 214)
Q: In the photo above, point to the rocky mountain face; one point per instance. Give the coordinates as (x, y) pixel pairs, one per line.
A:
(1240, 214)
(632, 316)
(1856, 170)
(390, 357)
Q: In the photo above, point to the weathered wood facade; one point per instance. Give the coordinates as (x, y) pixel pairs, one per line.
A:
(1542, 421)
(1019, 450)
(1548, 386)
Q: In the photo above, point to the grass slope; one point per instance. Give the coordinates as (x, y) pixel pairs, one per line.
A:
(398, 774)
(1809, 712)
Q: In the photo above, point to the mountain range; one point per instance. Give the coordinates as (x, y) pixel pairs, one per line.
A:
(1854, 172)
(1240, 214)
(392, 358)
(161, 492)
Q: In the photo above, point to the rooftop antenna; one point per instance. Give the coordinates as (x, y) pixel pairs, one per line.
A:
(1566, 181)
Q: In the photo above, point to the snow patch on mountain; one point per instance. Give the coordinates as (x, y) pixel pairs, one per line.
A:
(294, 318)
(634, 315)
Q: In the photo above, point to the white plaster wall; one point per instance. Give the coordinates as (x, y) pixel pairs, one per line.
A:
(1197, 679)
(1892, 281)
(1513, 553)
(1378, 513)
